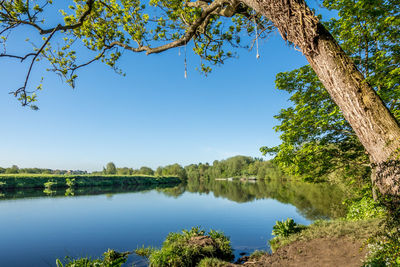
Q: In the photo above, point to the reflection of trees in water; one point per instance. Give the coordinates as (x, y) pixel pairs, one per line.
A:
(85, 191)
(313, 201)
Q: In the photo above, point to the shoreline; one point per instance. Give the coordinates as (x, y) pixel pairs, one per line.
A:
(40, 181)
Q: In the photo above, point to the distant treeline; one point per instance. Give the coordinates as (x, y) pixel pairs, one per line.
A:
(238, 166)
(14, 169)
(50, 182)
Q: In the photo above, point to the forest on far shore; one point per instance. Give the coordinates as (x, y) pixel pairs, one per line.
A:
(237, 166)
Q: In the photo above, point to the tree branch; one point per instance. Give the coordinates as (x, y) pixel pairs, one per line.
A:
(22, 90)
(42, 31)
(213, 8)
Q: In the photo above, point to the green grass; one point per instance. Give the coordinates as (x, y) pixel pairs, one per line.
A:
(20, 181)
(212, 262)
(189, 248)
(360, 230)
(111, 258)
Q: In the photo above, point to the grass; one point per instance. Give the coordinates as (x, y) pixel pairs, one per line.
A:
(111, 258)
(51, 181)
(190, 248)
(361, 230)
(212, 262)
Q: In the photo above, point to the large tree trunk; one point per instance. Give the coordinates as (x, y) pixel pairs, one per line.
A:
(375, 126)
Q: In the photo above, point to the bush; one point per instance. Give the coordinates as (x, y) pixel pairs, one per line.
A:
(189, 248)
(49, 184)
(366, 208)
(70, 182)
(286, 228)
(383, 253)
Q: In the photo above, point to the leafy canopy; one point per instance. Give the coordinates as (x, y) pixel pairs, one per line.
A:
(106, 28)
(316, 139)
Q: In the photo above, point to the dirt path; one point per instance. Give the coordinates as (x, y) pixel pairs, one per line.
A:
(317, 252)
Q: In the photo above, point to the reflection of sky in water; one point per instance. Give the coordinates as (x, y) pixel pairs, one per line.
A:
(34, 232)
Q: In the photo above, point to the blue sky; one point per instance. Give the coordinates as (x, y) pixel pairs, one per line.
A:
(151, 117)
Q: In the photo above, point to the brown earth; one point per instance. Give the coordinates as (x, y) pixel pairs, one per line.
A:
(332, 251)
(201, 241)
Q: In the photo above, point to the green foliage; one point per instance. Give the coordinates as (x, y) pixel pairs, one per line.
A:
(144, 251)
(70, 182)
(286, 228)
(212, 262)
(383, 253)
(237, 166)
(147, 171)
(106, 28)
(111, 258)
(174, 169)
(384, 249)
(51, 181)
(313, 201)
(365, 208)
(360, 230)
(13, 170)
(316, 139)
(110, 168)
(188, 248)
(49, 184)
(16, 170)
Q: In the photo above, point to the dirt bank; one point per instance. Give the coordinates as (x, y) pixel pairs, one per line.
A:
(332, 251)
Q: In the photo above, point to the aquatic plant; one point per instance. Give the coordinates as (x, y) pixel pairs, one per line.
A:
(111, 258)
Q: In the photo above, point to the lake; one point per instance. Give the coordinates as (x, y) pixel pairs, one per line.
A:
(36, 228)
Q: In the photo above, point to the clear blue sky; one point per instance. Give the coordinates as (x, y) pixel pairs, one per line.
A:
(151, 117)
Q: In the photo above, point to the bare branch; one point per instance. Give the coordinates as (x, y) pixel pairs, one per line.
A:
(22, 90)
(22, 58)
(89, 62)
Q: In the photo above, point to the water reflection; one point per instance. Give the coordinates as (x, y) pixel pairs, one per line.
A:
(46, 225)
(313, 201)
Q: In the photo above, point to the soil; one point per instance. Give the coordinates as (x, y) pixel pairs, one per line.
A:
(317, 252)
(201, 241)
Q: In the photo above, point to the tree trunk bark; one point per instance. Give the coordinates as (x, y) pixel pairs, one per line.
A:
(374, 125)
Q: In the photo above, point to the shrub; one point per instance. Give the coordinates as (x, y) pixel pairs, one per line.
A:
(366, 208)
(49, 184)
(383, 253)
(70, 182)
(189, 248)
(286, 228)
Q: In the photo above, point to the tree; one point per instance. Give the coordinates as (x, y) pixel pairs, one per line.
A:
(146, 171)
(110, 168)
(174, 170)
(124, 171)
(316, 139)
(12, 170)
(105, 28)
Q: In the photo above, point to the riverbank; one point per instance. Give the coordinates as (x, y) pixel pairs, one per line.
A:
(324, 243)
(51, 181)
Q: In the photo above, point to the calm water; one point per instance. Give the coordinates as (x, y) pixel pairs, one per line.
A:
(35, 229)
